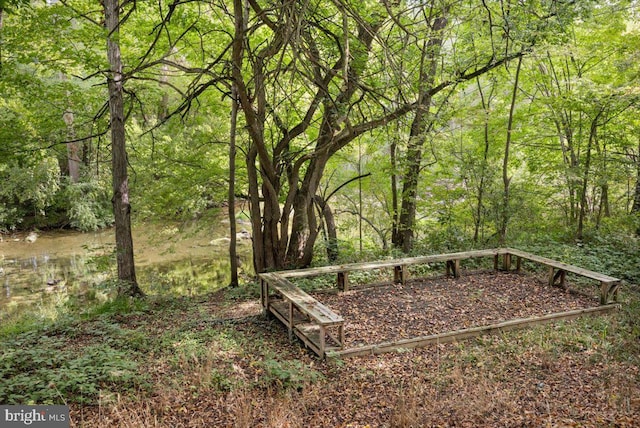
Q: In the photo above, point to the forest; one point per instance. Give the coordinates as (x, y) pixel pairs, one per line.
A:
(338, 131)
(454, 123)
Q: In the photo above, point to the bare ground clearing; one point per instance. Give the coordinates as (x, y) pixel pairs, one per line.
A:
(437, 305)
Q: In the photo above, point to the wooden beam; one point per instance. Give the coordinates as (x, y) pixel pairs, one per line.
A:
(467, 333)
(551, 275)
(343, 281)
(560, 265)
(262, 294)
(453, 268)
(322, 341)
(303, 273)
(290, 324)
(400, 274)
(506, 262)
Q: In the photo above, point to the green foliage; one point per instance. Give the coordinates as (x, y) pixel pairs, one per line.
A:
(116, 306)
(89, 206)
(287, 374)
(27, 191)
(183, 172)
(611, 251)
(39, 369)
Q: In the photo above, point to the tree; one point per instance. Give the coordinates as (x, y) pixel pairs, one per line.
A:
(635, 209)
(436, 22)
(506, 33)
(121, 198)
(583, 100)
(506, 180)
(233, 257)
(485, 100)
(322, 60)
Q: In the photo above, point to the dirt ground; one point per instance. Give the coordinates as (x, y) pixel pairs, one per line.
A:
(437, 305)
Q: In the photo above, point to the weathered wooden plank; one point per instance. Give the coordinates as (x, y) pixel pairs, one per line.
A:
(282, 307)
(310, 335)
(343, 281)
(303, 301)
(564, 266)
(467, 333)
(286, 288)
(381, 264)
(400, 274)
(506, 262)
(322, 314)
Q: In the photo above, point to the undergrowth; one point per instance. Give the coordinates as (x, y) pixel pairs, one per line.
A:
(40, 369)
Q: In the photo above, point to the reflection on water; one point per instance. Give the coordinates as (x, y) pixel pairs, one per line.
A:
(44, 272)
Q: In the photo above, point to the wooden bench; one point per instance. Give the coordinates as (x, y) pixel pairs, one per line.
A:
(304, 316)
(609, 286)
(400, 266)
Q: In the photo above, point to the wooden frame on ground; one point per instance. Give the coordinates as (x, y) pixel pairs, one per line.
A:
(322, 330)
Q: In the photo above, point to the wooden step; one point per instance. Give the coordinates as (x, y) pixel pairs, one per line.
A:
(282, 307)
(312, 334)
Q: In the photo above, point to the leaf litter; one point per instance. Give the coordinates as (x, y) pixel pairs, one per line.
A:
(564, 374)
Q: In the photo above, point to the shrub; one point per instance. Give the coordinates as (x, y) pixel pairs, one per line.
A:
(88, 206)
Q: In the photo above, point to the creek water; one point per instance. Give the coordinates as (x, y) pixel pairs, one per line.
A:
(41, 270)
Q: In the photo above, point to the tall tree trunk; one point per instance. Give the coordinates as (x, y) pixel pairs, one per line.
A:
(330, 230)
(255, 212)
(72, 162)
(304, 230)
(121, 206)
(635, 208)
(394, 190)
(233, 256)
(419, 129)
(604, 209)
(240, 21)
(486, 105)
(73, 157)
(585, 178)
(506, 180)
(1, 38)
